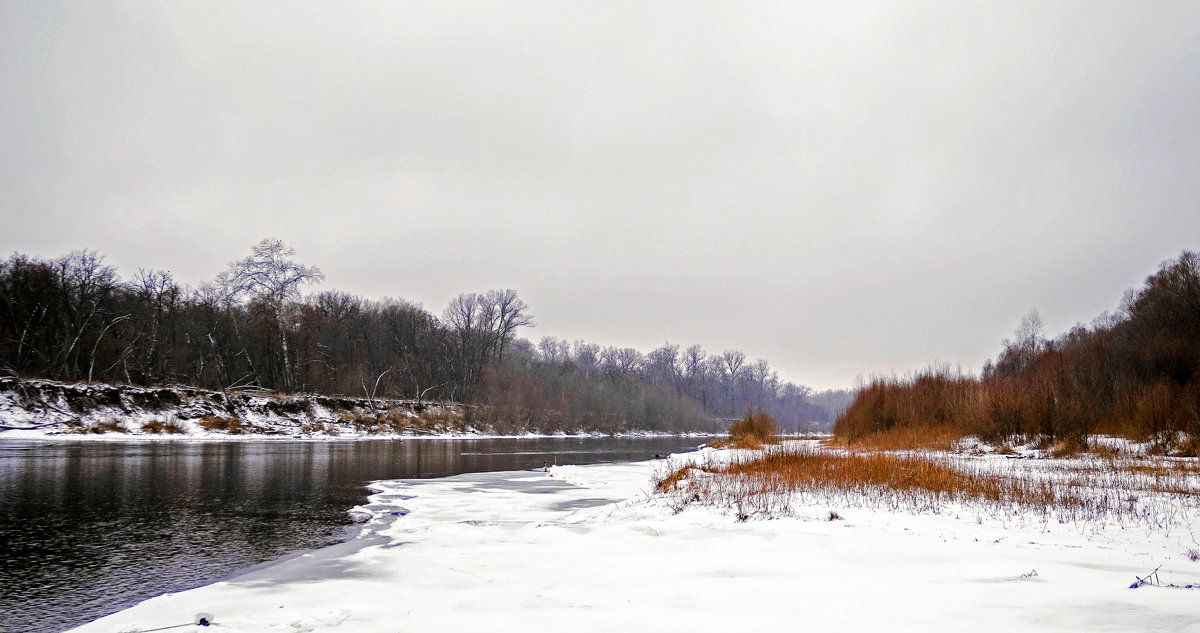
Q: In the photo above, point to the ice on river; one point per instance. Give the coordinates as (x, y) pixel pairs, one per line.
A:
(586, 548)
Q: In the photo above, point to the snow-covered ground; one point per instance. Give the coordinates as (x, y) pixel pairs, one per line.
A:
(588, 548)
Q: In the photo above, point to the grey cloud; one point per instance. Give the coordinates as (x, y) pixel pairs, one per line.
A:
(839, 187)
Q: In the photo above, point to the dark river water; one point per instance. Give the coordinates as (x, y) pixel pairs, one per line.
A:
(89, 528)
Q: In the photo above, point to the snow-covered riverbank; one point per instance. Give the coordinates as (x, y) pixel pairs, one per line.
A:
(31, 409)
(48, 410)
(587, 548)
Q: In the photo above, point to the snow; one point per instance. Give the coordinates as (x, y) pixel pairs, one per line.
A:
(589, 548)
(48, 410)
(194, 433)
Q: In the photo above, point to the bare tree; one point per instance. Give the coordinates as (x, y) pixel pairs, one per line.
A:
(85, 284)
(464, 318)
(760, 375)
(663, 365)
(731, 362)
(484, 325)
(1018, 354)
(160, 295)
(270, 276)
(554, 351)
(623, 361)
(586, 357)
(694, 367)
(1029, 332)
(510, 313)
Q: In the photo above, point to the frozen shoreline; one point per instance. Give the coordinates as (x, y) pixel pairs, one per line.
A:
(52, 436)
(588, 548)
(48, 410)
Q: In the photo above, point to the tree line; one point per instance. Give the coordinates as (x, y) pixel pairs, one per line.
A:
(1133, 373)
(722, 385)
(73, 318)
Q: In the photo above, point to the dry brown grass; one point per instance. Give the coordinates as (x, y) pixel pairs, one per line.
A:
(98, 428)
(905, 439)
(313, 427)
(1087, 491)
(232, 426)
(384, 423)
(1068, 447)
(673, 478)
(432, 420)
(439, 420)
(1189, 447)
(158, 426)
(808, 469)
(1106, 451)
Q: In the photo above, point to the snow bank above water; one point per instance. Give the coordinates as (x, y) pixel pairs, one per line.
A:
(42, 409)
(33, 409)
(587, 548)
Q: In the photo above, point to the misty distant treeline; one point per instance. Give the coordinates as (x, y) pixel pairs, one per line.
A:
(1134, 373)
(73, 318)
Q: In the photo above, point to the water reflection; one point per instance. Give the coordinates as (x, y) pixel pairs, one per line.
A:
(89, 528)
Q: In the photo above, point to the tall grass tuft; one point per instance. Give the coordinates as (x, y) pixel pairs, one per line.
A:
(752, 431)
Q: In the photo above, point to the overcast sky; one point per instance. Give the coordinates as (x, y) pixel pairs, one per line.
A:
(841, 188)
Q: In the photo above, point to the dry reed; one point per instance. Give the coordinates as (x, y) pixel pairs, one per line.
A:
(752, 431)
(1093, 491)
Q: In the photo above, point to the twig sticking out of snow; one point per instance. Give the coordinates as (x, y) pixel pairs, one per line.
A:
(1153, 580)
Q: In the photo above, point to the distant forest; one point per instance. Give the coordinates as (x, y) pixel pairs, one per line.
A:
(1133, 373)
(73, 318)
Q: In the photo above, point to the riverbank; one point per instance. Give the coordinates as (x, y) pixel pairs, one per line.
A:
(55, 408)
(42, 409)
(593, 548)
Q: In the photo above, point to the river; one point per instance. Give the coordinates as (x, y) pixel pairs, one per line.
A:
(88, 528)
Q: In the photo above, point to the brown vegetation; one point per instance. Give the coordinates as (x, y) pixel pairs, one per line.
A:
(158, 426)
(768, 483)
(430, 421)
(232, 426)
(98, 428)
(808, 469)
(905, 439)
(1135, 375)
(752, 431)
(673, 478)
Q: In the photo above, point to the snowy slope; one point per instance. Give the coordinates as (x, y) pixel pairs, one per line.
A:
(42, 408)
